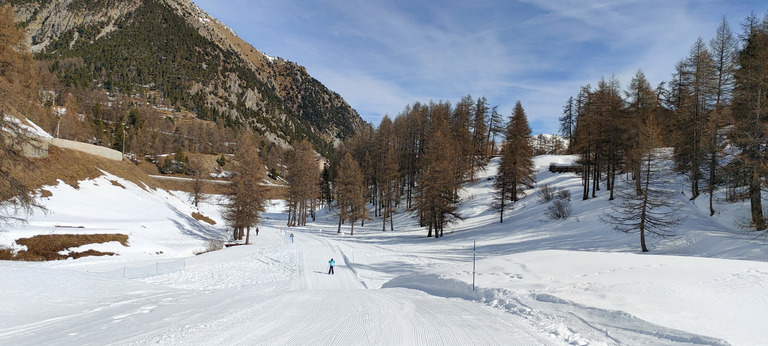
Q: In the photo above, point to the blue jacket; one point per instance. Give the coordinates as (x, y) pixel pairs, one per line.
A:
(331, 262)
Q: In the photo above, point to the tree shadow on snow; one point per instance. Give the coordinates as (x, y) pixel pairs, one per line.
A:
(194, 228)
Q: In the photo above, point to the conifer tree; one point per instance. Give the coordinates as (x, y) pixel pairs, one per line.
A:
(18, 79)
(697, 76)
(516, 166)
(749, 135)
(436, 201)
(198, 183)
(17, 87)
(387, 171)
(568, 121)
(303, 179)
(723, 48)
(641, 102)
(613, 130)
(479, 156)
(411, 131)
(247, 195)
(654, 211)
(494, 128)
(460, 123)
(586, 136)
(350, 193)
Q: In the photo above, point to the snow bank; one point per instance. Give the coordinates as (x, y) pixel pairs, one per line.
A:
(724, 299)
(158, 224)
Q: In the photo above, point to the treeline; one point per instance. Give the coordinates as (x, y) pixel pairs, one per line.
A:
(711, 112)
(417, 161)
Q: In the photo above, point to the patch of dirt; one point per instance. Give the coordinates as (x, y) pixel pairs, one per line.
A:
(200, 217)
(47, 247)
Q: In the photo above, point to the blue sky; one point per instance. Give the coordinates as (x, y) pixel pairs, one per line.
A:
(383, 55)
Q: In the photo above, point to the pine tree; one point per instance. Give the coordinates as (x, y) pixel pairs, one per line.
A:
(436, 201)
(303, 183)
(361, 146)
(568, 121)
(613, 134)
(479, 156)
(17, 85)
(387, 173)
(198, 181)
(247, 195)
(411, 130)
(641, 103)
(586, 142)
(350, 193)
(749, 135)
(516, 166)
(494, 128)
(654, 211)
(460, 123)
(697, 90)
(18, 80)
(723, 48)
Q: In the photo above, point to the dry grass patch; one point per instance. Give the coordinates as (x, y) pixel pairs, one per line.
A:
(187, 186)
(6, 254)
(201, 217)
(72, 166)
(47, 247)
(45, 193)
(117, 183)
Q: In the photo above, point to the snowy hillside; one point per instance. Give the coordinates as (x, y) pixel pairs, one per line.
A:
(537, 281)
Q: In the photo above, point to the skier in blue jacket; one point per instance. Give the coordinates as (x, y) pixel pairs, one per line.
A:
(331, 262)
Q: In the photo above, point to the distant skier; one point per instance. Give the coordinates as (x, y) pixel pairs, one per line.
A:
(291, 238)
(331, 262)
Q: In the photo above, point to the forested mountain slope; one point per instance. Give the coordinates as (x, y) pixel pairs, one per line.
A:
(174, 54)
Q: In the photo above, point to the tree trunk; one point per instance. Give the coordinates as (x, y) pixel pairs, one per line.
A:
(248, 235)
(595, 179)
(645, 204)
(585, 194)
(290, 214)
(611, 179)
(712, 182)
(754, 200)
(637, 176)
(501, 207)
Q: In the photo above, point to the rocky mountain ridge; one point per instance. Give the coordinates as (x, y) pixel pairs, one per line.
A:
(193, 60)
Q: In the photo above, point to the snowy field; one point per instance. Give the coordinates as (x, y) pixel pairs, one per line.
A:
(537, 281)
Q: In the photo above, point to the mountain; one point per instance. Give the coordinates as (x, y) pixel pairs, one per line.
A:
(188, 59)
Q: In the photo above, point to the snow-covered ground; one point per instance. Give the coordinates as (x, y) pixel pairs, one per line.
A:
(536, 281)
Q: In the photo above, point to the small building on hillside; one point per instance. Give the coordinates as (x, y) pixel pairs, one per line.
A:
(565, 167)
